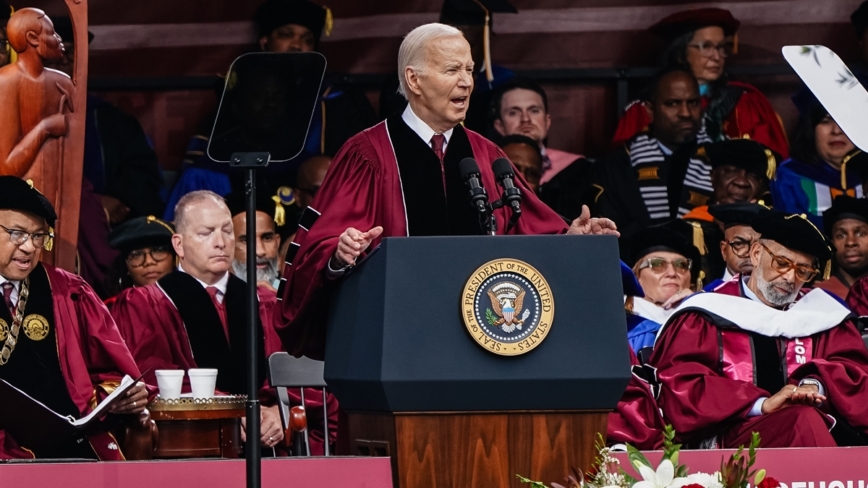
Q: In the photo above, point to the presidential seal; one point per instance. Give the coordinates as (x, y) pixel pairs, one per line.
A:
(35, 327)
(507, 307)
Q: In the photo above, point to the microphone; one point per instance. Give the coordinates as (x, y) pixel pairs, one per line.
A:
(470, 174)
(511, 194)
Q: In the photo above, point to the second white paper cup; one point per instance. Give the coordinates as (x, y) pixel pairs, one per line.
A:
(203, 382)
(170, 381)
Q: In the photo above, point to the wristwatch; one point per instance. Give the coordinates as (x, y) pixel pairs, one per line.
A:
(810, 381)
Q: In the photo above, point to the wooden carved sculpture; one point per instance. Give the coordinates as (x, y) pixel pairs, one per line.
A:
(42, 119)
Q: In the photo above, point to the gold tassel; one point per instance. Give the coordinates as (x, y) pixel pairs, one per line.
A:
(773, 165)
(844, 168)
(329, 22)
(322, 132)
(699, 280)
(828, 271)
(279, 212)
(13, 56)
(153, 220)
(49, 243)
(699, 238)
(486, 43)
(628, 304)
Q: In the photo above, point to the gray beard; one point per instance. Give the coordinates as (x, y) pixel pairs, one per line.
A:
(268, 274)
(767, 288)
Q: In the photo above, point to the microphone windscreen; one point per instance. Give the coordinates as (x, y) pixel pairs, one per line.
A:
(468, 167)
(502, 167)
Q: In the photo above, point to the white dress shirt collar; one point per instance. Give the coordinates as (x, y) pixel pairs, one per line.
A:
(14, 290)
(220, 285)
(421, 128)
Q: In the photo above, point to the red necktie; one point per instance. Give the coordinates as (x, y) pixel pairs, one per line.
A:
(7, 296)
(437, 142)
(221, 308)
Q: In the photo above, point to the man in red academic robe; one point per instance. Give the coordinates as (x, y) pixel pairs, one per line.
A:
(194, 317)
(60, 345)
(401, 178)
(760, 355)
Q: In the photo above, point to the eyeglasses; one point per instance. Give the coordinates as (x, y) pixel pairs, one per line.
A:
(740, 247)
(136, 258)
(19, 237)
(660, 265)
(783, 265)
(707, 49)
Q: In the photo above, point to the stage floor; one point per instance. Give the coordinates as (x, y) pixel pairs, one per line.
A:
(331, 472)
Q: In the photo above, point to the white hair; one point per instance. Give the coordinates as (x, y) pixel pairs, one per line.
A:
(412, 51)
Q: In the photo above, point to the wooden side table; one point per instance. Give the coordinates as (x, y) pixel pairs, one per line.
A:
(191, 428)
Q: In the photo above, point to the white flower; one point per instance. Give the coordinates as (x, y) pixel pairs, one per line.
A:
(705, 479)
(663, 478)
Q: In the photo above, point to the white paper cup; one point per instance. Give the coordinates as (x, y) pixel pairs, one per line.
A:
(170, 381)
(203, 382)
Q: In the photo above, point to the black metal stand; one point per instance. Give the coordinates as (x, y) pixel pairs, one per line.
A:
(252, 161)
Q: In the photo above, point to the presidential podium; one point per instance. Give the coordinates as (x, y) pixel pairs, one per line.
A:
(468, 360)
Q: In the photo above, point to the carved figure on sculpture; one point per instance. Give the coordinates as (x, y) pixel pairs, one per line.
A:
(35, 101)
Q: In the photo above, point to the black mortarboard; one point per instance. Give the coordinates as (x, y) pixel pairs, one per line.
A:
(267, 204)
(63, 28)
(17, 194)
(472, 12)
(797, 233)
(742, 153)
(681, 23)
(860, 18)
(845, 207)
(276, 13)
(731, 214)
(139, 233)
(668, 237)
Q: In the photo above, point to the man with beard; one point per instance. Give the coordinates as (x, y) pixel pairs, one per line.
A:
(269, 215)
(194, 317)
(761, 354)
(656, 176)
(738, 237)
(846, 224)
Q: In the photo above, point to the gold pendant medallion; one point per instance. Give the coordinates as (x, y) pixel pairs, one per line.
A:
(4, 330)
(35, 327)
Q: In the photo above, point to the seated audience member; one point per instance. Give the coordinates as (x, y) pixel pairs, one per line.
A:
(762, 355)
(270, 215)
(282, 26)
(520, 106)
(700, 41)
(665, 263)
(846, 224)
(525, 156)
(146, 254)
(818, 169)
(401, 178)
(311, 174)
(195, 316)
(47, 313)
(738, 237)
(657, 176)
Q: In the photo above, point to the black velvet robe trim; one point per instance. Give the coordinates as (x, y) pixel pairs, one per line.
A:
(207, 339)
(430, 210)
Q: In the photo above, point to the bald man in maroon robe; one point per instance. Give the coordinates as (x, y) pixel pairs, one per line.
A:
(59, 343)
(762, 355)
(401, 178)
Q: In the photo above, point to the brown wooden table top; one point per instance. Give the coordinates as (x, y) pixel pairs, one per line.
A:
(220, 407)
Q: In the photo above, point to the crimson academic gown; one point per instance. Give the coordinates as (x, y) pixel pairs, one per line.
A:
(92, 355)
(752, 116)
(371, 184)
(636, 420)
(720, 352)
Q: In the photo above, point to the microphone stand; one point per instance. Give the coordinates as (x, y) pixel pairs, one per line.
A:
(252, 161)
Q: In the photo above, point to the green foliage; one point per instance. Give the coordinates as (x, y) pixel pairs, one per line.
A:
(533, 484)
(736, 472)
(671, 451)
(490, 317)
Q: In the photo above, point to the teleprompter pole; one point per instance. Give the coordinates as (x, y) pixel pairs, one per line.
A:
(252, 161)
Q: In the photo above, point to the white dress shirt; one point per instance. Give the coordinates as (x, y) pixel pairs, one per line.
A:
(14, 290)
(421, 128)
(220, 285)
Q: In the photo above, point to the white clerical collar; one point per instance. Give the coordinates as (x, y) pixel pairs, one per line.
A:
(421, 128)
(220, 285)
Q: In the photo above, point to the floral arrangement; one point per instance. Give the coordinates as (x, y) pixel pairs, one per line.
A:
(607, 472)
